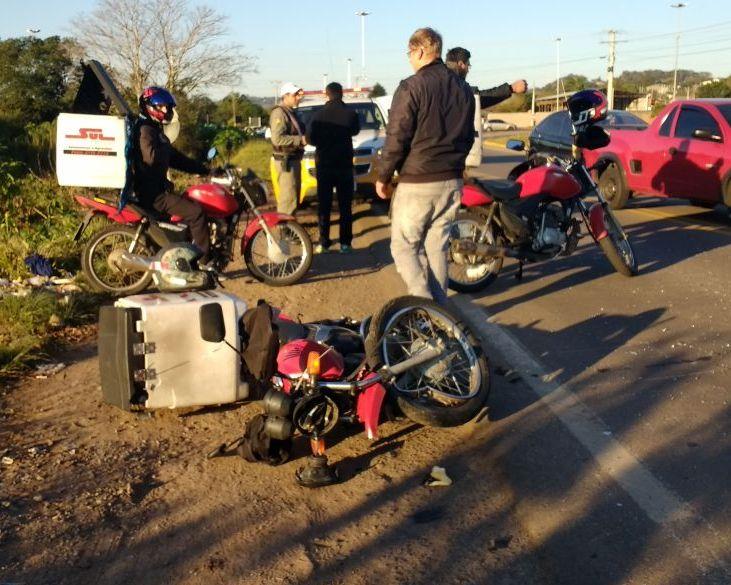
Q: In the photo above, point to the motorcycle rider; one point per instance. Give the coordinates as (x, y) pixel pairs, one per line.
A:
(154, 155)
(458, 60)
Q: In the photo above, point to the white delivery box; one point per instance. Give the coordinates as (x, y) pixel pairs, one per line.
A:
(90, 151)
(152, 354)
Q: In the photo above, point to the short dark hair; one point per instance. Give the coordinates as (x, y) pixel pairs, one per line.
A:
(334, 90)
(458, 54)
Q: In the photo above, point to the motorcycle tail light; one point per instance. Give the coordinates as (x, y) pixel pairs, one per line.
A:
(313, 363)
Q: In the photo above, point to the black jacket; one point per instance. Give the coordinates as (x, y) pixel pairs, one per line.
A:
(494, 95)
(331, 131)
(153, 156)
(430, 127)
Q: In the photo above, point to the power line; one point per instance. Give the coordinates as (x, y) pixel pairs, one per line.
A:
(682, 32)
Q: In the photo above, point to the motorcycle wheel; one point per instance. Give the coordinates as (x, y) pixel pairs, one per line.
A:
(617, 247)
(444, 393)
(298, 244)
(471, 277)
(101, 273)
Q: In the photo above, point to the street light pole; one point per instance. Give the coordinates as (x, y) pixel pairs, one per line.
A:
(350, 84)
(362, 14)
(679, 5)
(558, 74)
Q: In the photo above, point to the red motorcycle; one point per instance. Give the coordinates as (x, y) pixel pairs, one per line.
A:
(276, 249)
(532, 216)
(413, 352)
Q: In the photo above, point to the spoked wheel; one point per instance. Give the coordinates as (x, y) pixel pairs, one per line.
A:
(447, 391)
(282, 261)
(617, 247)
(466, 272)
(99, 261)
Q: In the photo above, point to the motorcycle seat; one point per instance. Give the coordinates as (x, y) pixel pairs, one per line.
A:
(151, 214)
(500, 189)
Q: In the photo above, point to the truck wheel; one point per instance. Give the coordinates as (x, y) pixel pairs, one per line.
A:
(611, 184)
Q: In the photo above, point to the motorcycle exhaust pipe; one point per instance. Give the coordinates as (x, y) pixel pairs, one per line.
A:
(481, 250)
(131, 262)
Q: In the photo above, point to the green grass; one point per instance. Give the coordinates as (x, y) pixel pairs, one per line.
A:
(25, 324)
(255, 155)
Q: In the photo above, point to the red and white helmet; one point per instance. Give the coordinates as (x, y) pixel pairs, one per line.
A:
(587, 107)
(157, 104)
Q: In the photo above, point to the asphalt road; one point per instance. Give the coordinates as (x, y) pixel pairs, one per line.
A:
(615, 435)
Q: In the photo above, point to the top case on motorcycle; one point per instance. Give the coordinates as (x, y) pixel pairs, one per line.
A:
(499, 189)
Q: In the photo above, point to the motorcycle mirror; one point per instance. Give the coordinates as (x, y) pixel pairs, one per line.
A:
(213, 328)
(212, 153)
(518, 145)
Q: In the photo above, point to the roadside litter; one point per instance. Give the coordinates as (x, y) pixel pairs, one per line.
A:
(437, 478)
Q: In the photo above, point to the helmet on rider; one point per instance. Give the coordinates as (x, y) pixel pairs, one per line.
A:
(587, 107)
(157, 104)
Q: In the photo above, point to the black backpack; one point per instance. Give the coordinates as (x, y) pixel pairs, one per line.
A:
(260, 341)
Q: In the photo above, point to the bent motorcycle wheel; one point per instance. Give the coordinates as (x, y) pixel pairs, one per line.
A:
(617, 247)
(98, 266)
(446, 392)
(296, 247)
(468, 274)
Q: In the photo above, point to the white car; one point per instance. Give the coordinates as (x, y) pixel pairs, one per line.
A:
(497, 124)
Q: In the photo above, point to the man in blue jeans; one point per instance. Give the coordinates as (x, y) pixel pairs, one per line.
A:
(430, 132)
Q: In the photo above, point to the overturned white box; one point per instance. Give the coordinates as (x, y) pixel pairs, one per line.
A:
(152, 353)
(90, 151)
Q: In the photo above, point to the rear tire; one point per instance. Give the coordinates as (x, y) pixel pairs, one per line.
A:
(96, 267)
(611, 184)
(617, 247)
(279, 274)
(459, 279)
(387, 325)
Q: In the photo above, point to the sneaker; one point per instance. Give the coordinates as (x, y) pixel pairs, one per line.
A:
(320, 249)
(345, 249)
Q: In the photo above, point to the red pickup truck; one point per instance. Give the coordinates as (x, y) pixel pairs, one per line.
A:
(685, 152)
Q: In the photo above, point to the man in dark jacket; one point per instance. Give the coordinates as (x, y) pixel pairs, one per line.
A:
(458, 60)
(154, 155)
(430, 132)
(331, 131)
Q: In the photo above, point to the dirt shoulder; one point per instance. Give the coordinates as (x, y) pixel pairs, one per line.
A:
(91, 494)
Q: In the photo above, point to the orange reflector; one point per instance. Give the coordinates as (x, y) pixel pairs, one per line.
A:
(318, 445)
(313, 363)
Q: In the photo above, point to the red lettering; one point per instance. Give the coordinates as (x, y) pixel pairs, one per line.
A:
(90, 134)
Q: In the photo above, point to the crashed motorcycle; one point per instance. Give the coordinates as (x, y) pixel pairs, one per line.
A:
(538, 213)
(275, 248)
(192, 344)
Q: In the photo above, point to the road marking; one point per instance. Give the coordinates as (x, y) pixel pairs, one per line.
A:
(658, 502)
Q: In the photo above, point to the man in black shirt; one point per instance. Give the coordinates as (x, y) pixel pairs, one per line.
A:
(458, 60)
(331, 132)
(154, 155)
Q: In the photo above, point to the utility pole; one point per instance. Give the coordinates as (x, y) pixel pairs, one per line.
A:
(350, 84)
(362, 14)
(610, 68)
(233, 105)
(679, 5)
(277, 83)
(533, 105)
(558, 69)
(324, 81)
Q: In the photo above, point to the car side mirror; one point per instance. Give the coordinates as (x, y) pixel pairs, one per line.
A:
(704, 134)
(212, 152)
(518, 145)
(212, 325)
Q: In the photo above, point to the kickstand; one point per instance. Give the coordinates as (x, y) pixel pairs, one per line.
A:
(519, 274)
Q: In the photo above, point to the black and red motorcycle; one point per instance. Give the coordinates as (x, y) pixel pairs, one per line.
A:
(538, 212)
(276, 249)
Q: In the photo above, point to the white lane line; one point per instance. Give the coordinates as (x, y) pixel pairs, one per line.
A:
(658, 502)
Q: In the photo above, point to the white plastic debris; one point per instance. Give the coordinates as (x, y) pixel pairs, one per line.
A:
(7, 461)
(45, 370)
(438, 478)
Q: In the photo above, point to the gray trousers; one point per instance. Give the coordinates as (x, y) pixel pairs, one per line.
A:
(421, 217)
(290, 181)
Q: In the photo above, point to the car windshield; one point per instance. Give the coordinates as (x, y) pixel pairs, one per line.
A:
(369, 115)
(725, 112)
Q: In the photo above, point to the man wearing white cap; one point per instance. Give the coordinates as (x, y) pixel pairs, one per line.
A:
(288, 145)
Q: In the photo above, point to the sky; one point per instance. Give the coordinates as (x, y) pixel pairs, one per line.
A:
(302, 40)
